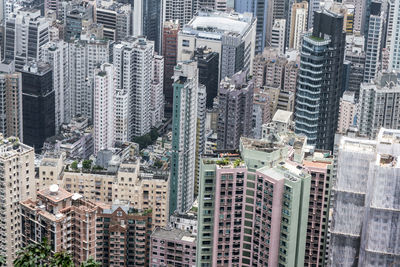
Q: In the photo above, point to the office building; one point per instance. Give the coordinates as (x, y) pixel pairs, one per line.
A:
(104, 107)
(365, 206)
(231, 35)
(263, 12)
(56, 53)
(169, 51)
(379, 104)
(18, 182)
(373, 47)
(133, 60)
(253, 209)
(11, 105)
(123, 235)
(26, 32)
(317, 104)
(152, 22)
(172, 247)
(347, 112)
(235, 107)
(298, 24)
(65, 219)
(184, 131)
(278, 34)
(76, 16)
(207, 63)
(219, 5)
(38, 99)
(116, 18)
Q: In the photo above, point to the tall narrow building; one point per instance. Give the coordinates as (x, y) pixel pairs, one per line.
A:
(178, 10)
(298, 24)
(184, 129)
(38, 98)
(104, 107)
(394, 59)
(235, 107)
(11, 105)
(320, 80)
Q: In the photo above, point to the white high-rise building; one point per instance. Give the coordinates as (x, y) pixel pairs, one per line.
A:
(313, 5)
(121, 115)
(17, 167)
(104, 107)
(25, 34)
(184, 129)
(132, 59)
(84, 56)
(157, 94)
(278, 35)
(56, 53)
(379, 104)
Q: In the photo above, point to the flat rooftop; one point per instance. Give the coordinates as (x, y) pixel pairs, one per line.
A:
(55, 193)
(172, 234)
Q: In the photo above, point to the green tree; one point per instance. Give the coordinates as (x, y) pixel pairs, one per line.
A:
(87, 163)
(74, 165)
(90, 263)
(62, 259)
(2, 261)
(34, 255)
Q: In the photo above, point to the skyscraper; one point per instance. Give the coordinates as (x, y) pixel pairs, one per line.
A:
(179, 10)
(235, 107)
(394, 59)
(355, 55)
(18, 182)
(298, 24)
(152, 22)
(11, 105)
(25, 34)
(157, 96)
(133, 62)
(104, 107)
(366, 206)
(184, 129)
(278, 35)
(38, 98)
(262, 10)
(116, 19)
(374, 41)
(320, 80)
(379, 104)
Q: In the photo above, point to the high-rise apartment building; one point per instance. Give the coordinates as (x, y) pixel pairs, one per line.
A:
(231, 35)
(347, 112)
(298, 24)
(184, 131)
(121, 116)
(313, 5)
(76, 15)
(38, 98)
(26, 32)
(252, 208)
(219, 5)
(17, 182)
(394, 59)
(263, 12)
(84, 56)
(365, 205)
(116, 18)
(123, 235)
(104, 107)
(56, 53)
(65, 219)
(11, 105)
(157, 96)
(134, 57)
(379, 104)
(235, 107)
(373, 49)
(169, 51)
(318, 94)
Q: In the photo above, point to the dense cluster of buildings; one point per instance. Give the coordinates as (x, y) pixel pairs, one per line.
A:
(201, 132)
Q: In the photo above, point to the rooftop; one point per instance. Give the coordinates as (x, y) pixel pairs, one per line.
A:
(55, 193)
(172, 234)
(282, 116)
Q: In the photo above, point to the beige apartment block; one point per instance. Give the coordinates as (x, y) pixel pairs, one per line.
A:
(17, 182)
